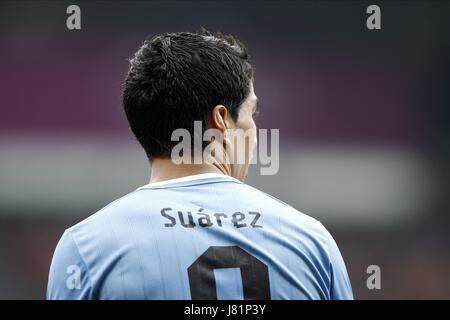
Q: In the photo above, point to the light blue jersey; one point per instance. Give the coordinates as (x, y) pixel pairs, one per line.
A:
(202, 237)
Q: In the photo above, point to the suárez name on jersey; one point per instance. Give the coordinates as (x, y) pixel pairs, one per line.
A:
(201, 219)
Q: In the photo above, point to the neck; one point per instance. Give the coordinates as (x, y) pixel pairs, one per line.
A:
(164, 169)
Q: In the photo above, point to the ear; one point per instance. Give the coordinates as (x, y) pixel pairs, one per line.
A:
(220, 118)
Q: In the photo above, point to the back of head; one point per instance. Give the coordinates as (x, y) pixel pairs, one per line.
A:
(175, 79)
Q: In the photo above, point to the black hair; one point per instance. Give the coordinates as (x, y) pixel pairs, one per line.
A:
(175, 79)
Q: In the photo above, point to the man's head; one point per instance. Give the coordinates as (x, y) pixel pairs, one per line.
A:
(175, 79)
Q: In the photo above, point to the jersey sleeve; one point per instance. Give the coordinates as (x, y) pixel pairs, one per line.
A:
(340, 286)
(69, 276)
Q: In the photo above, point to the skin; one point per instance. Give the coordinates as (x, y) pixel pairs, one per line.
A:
(221, 120)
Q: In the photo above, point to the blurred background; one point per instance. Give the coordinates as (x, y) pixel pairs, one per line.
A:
(363, 118)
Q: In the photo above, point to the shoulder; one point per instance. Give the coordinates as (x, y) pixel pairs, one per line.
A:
(288, 211)
(113, 213)
(294, 222)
